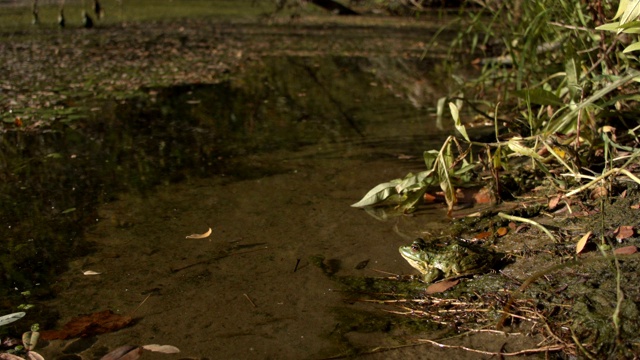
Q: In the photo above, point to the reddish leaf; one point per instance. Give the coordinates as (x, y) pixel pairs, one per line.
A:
(553, 202)
(627, 250)
(428, 198)
(624, 232)
(441, 286)
(87, 325)
(502, 231)
(483, 196)
(482, 235)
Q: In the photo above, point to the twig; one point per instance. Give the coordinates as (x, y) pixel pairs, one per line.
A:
(248, 298)
(136, 309)
(601, 177)
(517, 353)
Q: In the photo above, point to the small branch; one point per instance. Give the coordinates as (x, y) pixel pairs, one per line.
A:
(517, 353)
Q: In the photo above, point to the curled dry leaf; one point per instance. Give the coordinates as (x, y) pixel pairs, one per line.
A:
(582, 242)
(90, 272)
(165, 349)
(199, 236)
(441, 286)
(627, 250)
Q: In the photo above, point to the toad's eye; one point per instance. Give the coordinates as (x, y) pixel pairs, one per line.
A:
(415, 248)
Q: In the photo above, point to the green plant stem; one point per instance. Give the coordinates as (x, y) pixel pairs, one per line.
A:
(528, 221)
(601, 177)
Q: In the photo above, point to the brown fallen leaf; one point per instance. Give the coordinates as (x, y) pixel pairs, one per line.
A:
(483, 235)
(553, 202)
(502, 231)
(627, 250)
(199, 236)
(623, 232)
(87, 325)
(635, 206)
(441, 286)
(582, 242)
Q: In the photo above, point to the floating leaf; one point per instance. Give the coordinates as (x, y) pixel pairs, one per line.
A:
(199, 236)
(8, 319)
(582, 242)
(441, 286)
(90, 272)
(378, 194)
(165, 349)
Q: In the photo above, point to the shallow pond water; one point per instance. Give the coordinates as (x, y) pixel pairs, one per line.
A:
(271, 161)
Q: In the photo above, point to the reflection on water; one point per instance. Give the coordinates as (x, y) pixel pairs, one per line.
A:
(52, 182)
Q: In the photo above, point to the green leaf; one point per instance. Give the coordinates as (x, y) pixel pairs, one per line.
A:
(571, 68)
(430, 157)
(515, 144)
(614, 26)
(633, 47)
(539, 96)
(378, 194)
(621, 8)
(631, 12)
(440, 112)
(457, 122)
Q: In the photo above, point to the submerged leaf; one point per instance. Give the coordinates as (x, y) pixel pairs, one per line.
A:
(165, 349)
(125, 352)
(88, 325)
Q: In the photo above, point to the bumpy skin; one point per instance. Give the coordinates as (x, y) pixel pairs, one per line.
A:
(447, 258)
